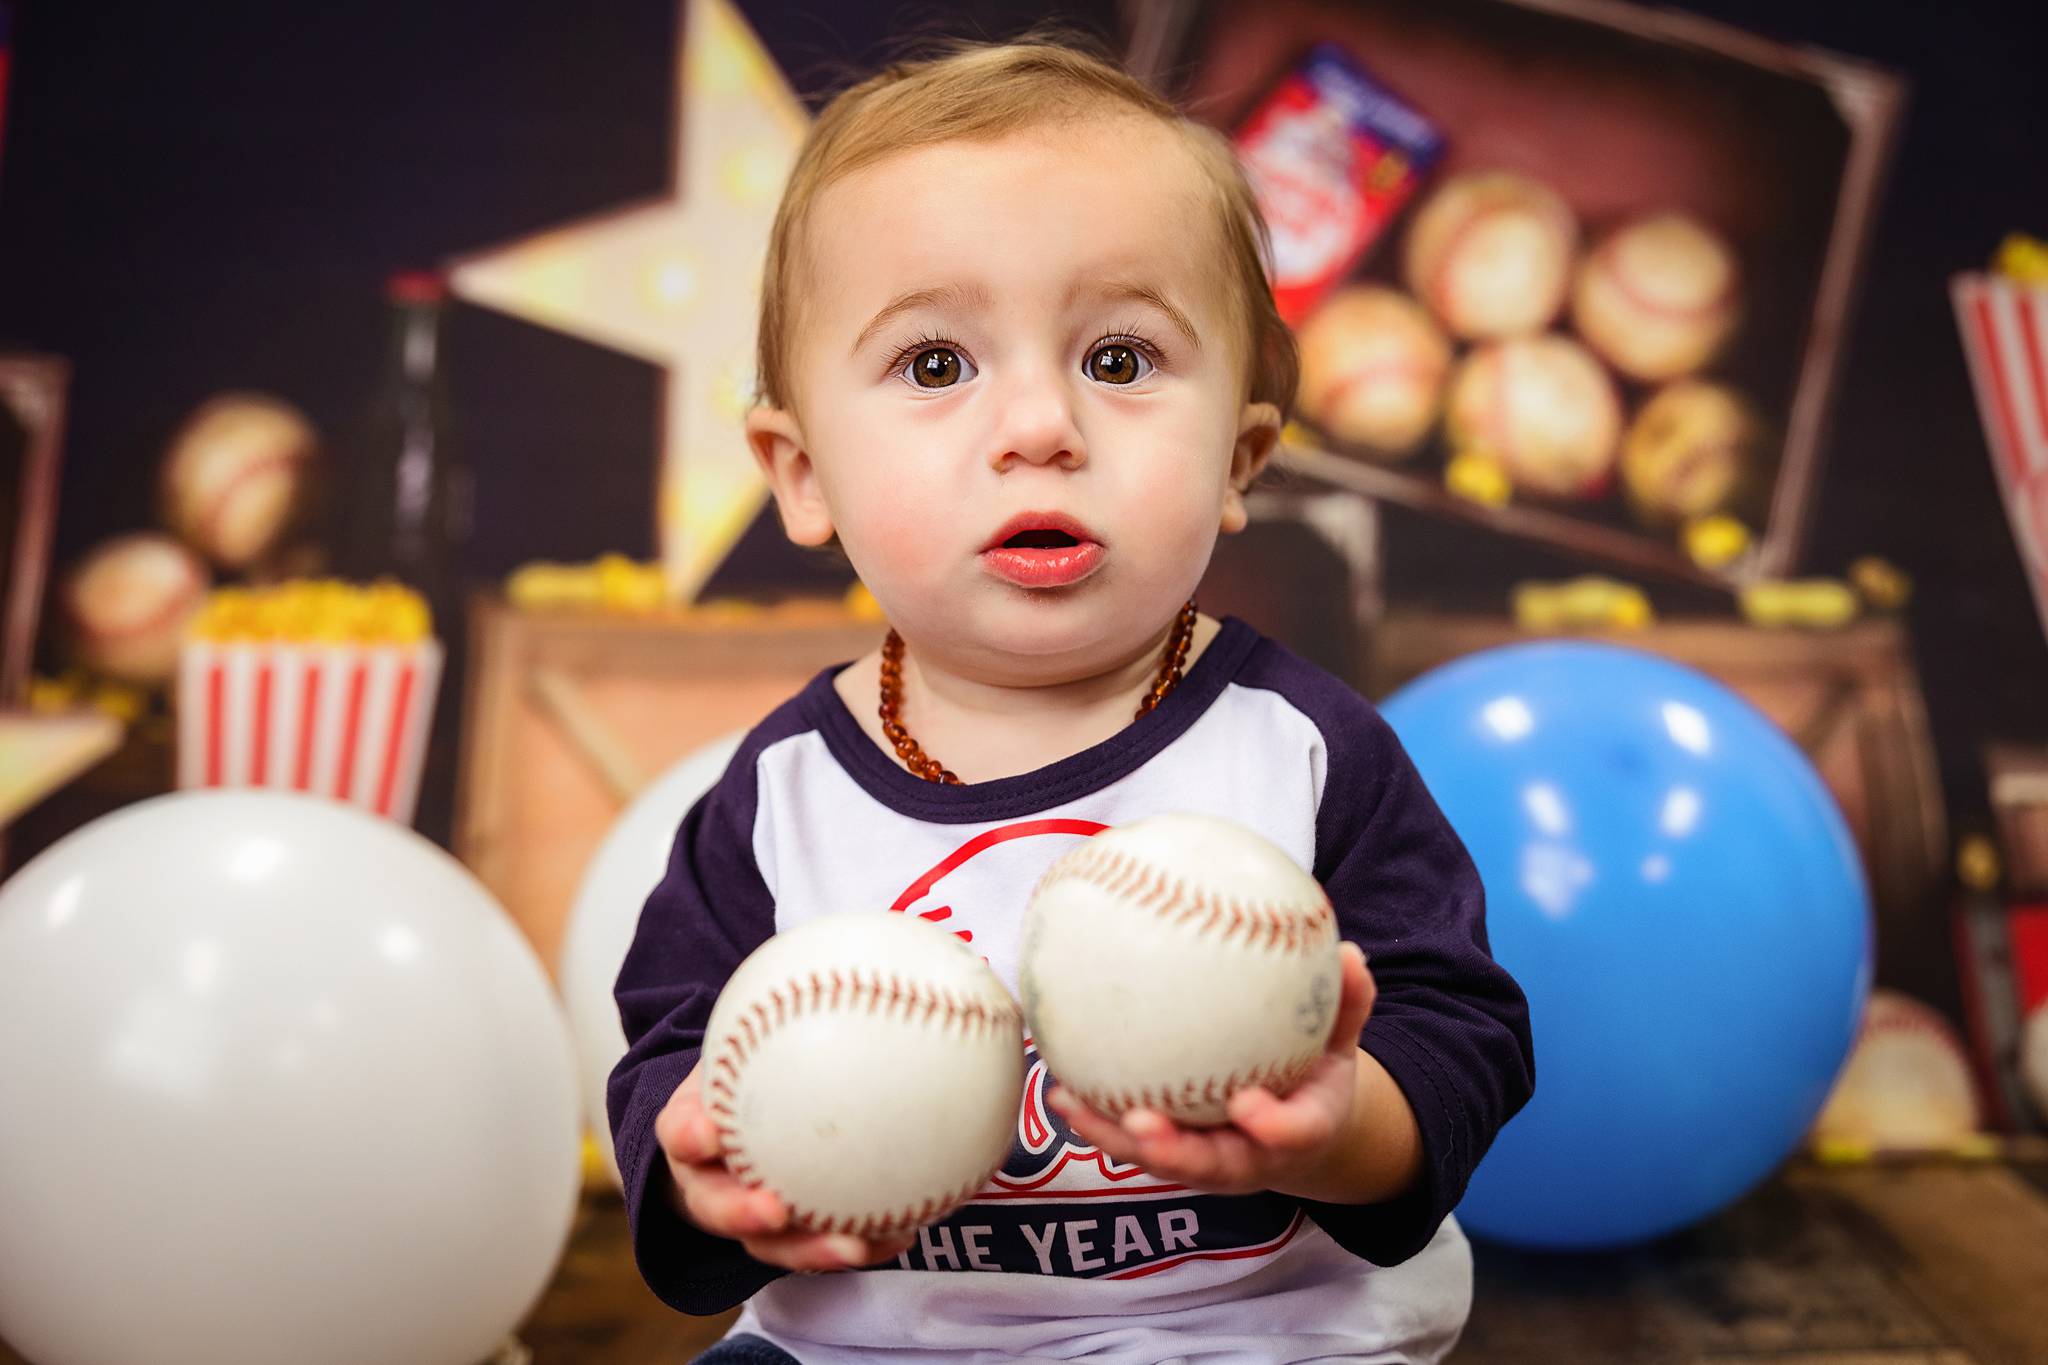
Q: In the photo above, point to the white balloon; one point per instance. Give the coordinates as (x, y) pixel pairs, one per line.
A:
(279, 1080)
(626, 866)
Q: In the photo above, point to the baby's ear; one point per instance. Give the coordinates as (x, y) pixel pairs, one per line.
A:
(778, 446)
(1258, 433)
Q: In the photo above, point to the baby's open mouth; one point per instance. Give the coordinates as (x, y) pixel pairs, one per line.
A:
(1040, 540)
(1042, 550)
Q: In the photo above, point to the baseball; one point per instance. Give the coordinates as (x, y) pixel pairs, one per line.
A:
(125, 605)
(1372, 369)
(1687, 451)
(1491, 254)
(1173, 961)
(2034, 1059)
(235, 476)
(1657, 297)
(1542, 408)
(867, 1068)
(1907, 1086)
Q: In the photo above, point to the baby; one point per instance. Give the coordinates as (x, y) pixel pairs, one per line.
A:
(1019, 359)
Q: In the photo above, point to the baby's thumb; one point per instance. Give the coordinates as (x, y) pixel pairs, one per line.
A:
(684, 1130)
(1355, 998)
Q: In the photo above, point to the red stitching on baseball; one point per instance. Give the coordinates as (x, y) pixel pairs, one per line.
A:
(215, 509)
(1278, 1077)
(1631, 287)
(1890, 1016)
(1345, 384)
(1498, 201)
(901, 1220)
(1125, 877)
(175, 605)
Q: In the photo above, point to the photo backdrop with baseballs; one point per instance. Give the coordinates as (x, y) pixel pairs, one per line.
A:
(1677, 199)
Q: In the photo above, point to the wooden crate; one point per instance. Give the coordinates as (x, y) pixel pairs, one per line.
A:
(1622, 108)
(568, 713)
(1850, 699)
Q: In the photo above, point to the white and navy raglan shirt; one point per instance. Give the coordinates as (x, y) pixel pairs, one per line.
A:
(1067, 1254)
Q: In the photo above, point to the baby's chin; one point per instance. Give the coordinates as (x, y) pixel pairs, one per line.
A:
(1041, 643)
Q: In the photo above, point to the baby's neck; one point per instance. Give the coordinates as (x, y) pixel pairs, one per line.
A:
(983, 730)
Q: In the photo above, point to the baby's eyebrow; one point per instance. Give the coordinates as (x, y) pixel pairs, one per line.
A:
(1136, 291)
(959, 296)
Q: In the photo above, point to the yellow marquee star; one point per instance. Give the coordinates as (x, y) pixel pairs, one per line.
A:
(677, 281)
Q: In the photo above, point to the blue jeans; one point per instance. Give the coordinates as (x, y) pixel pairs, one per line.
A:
(747, 1349)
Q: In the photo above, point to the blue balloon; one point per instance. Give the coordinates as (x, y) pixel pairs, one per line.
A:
(1673, 886)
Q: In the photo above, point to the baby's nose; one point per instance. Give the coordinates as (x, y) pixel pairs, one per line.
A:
(1039, 429)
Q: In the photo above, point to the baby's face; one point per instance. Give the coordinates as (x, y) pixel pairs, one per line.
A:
(1019, 391)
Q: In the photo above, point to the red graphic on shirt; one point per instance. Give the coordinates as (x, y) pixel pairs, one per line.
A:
(1059, 1205)
(980, 843)
(1045, 1146)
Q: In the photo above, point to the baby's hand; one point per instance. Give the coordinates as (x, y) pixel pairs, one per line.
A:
(713, 1198)
(1270, 1143)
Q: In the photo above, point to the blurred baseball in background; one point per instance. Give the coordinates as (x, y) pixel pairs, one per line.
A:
(234, 478)
(1687, 451)
(124, 606)
(1657, 297)
(1491, 254)
(1543, 408)
(1373, 363)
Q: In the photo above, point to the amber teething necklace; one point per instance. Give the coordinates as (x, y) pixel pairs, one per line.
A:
(1171, 664)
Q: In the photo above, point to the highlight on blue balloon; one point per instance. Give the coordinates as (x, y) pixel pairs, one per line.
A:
(1675, 889)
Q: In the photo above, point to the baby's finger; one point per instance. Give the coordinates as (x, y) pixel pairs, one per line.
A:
(810, 1251)
(1097, 1130)
(1354, 1000)
(716, 1201)
(1280, 1125)
(882, 1249)
(1204, 1157)
(689, 1137)
(683, 1129)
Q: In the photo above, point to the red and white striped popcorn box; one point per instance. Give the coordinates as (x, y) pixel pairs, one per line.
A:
(2005, 335)
(345, 720)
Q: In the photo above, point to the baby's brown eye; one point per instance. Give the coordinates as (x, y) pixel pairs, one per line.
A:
(1115, 364)
(937, 368)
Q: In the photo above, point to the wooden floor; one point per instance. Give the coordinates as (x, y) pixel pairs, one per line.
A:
(1930, 1264)
(1933, 1264)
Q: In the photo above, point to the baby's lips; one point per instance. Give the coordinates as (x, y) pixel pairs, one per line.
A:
(1041, 521)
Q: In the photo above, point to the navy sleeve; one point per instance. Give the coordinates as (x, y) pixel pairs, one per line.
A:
(709, 911)
(1449, 1024)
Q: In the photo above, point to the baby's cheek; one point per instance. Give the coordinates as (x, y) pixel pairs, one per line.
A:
(1184, 539)
(1178, 506)
(895, 538)
(1194, 538)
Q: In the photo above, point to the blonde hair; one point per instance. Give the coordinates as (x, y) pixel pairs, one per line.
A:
(981, 91)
